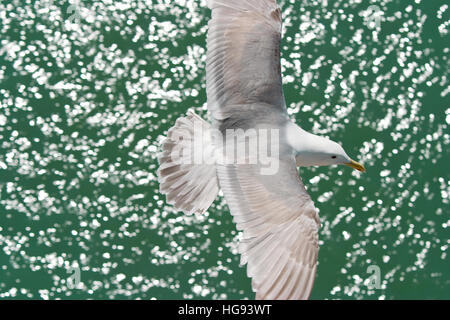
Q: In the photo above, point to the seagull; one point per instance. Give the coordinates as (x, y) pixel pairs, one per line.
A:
(278, 220)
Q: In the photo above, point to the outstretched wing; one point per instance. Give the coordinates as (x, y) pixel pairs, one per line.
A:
(243, 60)
(280, 228)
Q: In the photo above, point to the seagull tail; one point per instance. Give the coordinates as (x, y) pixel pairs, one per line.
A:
(187, 171)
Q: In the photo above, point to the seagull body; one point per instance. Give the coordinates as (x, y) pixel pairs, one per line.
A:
(277, 217)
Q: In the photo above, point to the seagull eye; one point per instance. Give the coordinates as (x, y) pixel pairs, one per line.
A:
(333, 157)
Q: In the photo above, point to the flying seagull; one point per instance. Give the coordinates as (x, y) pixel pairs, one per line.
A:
(272, 208)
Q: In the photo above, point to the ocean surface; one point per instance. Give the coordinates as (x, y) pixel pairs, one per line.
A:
(89, 89)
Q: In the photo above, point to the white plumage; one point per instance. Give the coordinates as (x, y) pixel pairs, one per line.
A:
(274, 212)
(189, 186)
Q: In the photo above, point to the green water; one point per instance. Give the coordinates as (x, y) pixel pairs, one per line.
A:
(84, 104)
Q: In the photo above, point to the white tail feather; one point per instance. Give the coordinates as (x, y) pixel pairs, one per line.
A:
(187, 171)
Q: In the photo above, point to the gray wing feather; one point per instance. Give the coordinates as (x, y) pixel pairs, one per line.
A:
(243, 59)
(280, 228)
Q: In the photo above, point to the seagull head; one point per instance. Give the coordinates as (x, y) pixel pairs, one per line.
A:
(314, 150)
(332, 153)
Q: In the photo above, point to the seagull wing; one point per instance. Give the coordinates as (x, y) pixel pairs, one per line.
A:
(280, 228)
(243, 60)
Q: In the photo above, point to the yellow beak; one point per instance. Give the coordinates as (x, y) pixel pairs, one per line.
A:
(355, 165)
